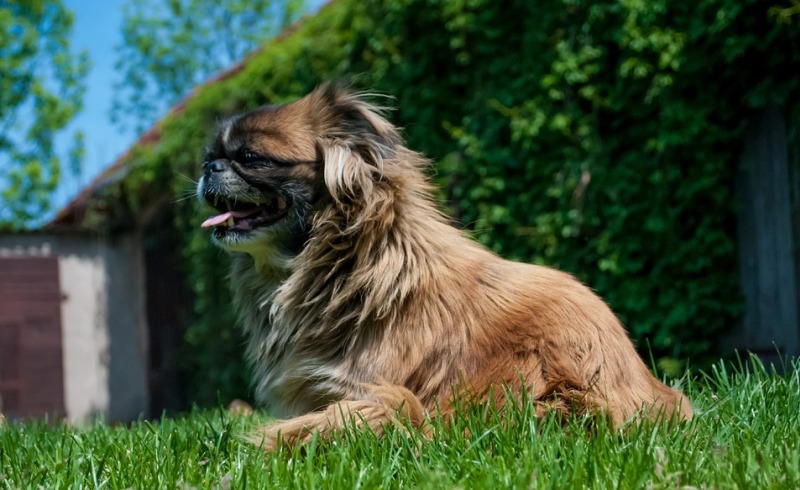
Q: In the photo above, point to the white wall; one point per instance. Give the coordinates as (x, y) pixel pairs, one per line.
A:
(85, 336)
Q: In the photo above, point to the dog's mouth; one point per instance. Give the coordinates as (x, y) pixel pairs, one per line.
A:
(244, 215)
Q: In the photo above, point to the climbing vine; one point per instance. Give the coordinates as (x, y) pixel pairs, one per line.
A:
(600, 137)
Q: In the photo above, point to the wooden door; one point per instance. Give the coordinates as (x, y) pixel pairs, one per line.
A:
(31, 366)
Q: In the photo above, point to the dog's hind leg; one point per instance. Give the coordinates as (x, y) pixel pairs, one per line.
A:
(383, 404)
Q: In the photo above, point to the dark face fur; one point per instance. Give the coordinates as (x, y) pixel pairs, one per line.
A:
(261, 176)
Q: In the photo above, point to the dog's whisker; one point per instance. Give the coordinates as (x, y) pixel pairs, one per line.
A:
(185, 197)
(186, 178)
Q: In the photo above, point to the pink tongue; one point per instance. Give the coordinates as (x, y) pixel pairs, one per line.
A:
(221, 218)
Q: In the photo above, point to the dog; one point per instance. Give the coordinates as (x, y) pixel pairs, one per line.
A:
(362, 303)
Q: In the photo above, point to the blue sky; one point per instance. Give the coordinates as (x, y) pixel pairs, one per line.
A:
(97, 30)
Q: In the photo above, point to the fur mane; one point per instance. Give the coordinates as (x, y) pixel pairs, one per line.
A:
(376, 240)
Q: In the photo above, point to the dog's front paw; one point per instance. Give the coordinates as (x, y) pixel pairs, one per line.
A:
(286, 433)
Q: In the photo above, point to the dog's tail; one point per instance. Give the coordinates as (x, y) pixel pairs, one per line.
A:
(384, 404)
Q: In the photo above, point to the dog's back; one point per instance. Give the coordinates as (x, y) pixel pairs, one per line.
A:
(494, 323)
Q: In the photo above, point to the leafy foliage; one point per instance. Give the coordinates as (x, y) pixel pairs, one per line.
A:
(170, 46)
(786, 13)
(41, 90)
(600, 137)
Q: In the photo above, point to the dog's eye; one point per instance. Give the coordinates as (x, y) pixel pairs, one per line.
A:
(250, 158)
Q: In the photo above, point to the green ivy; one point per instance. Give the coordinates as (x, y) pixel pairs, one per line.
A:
(599, 137)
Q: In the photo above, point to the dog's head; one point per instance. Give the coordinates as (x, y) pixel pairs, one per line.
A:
(269, 170)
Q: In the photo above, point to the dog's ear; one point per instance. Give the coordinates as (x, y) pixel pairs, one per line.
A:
(354, 139)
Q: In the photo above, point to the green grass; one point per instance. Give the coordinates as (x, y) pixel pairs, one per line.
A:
(745, 435)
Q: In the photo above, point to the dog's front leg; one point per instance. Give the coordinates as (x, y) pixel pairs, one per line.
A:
(383, 404)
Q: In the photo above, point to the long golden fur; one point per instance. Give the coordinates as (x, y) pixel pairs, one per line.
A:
(359, 299)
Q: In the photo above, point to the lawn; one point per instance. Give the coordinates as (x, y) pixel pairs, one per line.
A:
(746, 435)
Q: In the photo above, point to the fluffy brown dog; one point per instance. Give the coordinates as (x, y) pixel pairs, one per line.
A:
(362, 303)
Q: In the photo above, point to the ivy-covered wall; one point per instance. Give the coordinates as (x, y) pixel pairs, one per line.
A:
(601, 137)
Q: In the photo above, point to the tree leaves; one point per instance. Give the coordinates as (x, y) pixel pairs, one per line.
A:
(41, 90)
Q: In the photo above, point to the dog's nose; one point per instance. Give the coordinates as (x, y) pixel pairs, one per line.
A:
(214, 166)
